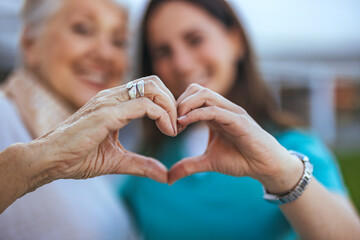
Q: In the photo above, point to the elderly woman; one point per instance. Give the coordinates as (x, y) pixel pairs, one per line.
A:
(86, 144)
(73, 49)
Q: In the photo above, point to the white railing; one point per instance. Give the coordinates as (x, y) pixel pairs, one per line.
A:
(320, 78)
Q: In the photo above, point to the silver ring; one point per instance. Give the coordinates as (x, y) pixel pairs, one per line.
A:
(141, 88)
(131, 90)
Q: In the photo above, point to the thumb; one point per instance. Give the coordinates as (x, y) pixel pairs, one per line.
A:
(188, 166)
(139, 165)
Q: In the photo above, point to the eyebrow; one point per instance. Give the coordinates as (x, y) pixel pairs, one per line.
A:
(188, 34)
(79, 12)
(192, 32)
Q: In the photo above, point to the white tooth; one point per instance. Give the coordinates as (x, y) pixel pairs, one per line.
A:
(96, 78)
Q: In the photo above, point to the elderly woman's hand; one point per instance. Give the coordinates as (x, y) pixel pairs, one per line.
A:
(86, 145)
(238, 146)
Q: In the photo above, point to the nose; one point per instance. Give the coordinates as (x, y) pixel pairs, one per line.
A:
(183, 61)
(103, 50)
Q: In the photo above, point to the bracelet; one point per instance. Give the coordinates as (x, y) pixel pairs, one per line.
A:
(295, 193)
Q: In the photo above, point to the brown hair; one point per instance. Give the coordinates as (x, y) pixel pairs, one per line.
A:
(249, 90)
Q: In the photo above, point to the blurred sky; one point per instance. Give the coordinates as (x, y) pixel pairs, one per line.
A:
(320, 28)
(280, 29)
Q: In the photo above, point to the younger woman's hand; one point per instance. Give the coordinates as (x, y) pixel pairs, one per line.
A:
(237, 145)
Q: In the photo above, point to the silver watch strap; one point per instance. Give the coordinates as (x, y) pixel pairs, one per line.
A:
(299, 188)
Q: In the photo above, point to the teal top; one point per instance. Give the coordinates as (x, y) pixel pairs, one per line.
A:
(216, 206)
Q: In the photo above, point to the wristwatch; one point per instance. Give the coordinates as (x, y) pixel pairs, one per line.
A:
(296, 192)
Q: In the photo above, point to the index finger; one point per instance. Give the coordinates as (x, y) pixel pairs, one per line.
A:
(158, 81)
(121, 92)
(154, 89)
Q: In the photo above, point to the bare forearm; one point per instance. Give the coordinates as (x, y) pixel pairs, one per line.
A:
(12, 182)
(320, 214)
(21, 171)
(317, 213)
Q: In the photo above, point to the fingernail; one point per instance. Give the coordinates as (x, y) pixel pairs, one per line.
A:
(182, 118)
(174, 129)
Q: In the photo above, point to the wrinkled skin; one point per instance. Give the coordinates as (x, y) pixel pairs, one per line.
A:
(86, 145)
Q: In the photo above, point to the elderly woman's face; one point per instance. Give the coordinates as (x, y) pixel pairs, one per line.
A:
(188, 45)
(82, 49)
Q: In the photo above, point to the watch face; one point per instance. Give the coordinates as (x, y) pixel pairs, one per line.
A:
(301, 156)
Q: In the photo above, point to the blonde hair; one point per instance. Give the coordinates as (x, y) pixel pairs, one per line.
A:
(35, 14)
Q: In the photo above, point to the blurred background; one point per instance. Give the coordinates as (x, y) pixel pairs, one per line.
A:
(309, 53)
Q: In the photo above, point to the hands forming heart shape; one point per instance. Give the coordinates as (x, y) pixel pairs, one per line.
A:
(237, 145)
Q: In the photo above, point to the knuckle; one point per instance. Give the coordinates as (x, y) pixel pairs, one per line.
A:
(155, 78)
(151, 84)
(243, 111)
(156, 99)
(240, 110)
(204, 91)
(122, 95)
(103, 93)
(145, 103)
(214, 109)
(243, 119)
(194, 86)
(153, 91)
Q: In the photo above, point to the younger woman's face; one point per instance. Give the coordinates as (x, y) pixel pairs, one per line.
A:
(188, 45)
(82, 49)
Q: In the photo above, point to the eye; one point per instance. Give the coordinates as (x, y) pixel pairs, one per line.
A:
(82, 29)
(195, 40)
(120, 42)
(161, 52)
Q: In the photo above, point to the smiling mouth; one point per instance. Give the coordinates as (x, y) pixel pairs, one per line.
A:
(96, 78)
(201, 79)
